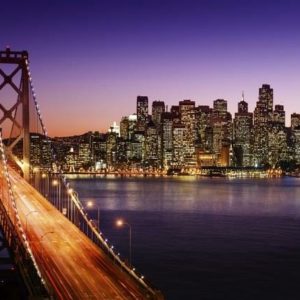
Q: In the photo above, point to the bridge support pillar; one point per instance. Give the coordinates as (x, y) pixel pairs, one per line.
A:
(19, 60)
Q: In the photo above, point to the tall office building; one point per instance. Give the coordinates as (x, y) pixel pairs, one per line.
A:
(111, 149)
(175, 114)
(220, 108)
(124, 128)
(266, 97)
(152, 146)
(187, 118)
(203, 124)
(142, 112)
(167, 139)
(221, 123)
(295, 120)
(262, 116)
(158, 107)
(279, 115)
(242, 135)
(180, 144)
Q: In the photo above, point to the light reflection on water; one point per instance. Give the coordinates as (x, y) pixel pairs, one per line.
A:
(206, 238)
(280, 196)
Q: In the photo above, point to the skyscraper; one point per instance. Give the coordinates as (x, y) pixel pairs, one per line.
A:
(295, 120)
(142, 112)
(167, 139)
(158, 107)
(222, 131)
(262, 117)
(152, 146)
(266, 97)
(242, 135)
(187, 118)
(203, 123)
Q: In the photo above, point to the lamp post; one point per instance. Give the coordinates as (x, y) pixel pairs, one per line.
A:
(55, 183)
(74, 213)
(121, 223)
(90, 204)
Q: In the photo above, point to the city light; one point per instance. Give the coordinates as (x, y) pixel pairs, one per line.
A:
(119, 222)
(90, 204)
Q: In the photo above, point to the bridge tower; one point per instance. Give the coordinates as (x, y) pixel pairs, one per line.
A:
(19, 60)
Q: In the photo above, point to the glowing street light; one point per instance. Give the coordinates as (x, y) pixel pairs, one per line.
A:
(55, 182)
(90, 204)
(57, 199)
(121, 223)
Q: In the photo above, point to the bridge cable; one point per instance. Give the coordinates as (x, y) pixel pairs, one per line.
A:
(77, 202)
(15, 209)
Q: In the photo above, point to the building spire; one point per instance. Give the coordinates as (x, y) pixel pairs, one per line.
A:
(243, 96)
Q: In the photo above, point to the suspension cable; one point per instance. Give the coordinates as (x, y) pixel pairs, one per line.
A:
(77, 202)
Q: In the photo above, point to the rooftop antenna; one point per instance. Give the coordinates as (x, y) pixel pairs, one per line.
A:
(243, 96)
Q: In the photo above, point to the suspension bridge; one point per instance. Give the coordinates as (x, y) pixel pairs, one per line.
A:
(58, 249)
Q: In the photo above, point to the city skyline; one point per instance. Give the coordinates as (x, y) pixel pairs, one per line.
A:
(85, 56)
(184, 138)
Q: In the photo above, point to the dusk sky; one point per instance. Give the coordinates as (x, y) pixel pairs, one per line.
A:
(90, 59)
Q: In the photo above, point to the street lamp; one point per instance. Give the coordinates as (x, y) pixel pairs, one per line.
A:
(55, 183)
(90, 204)
(73, 198)
(121, 223)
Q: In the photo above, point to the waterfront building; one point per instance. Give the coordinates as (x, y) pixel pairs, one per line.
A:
(111, 149)
(84, 155)
(137, 151)
(122, 153)
(71, 161)
(180, 143)
(99, 148)
(40, 151)
(187, 118)
(296, 144)
(277, 144)
(203, 123)
(222, 131)
(167, 139)
(152, 146)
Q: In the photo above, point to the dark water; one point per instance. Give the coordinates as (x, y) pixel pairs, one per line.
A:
(206, 238)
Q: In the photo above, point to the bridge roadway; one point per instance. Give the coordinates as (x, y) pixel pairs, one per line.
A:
(70, 262)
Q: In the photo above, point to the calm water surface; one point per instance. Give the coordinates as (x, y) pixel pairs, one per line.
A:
(206, 238)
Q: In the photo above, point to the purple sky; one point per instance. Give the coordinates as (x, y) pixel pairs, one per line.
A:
(90, 59)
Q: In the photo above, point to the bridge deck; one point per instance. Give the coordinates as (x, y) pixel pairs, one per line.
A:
(71, 263)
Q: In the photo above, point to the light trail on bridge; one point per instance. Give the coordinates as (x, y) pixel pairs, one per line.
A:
(72, 265)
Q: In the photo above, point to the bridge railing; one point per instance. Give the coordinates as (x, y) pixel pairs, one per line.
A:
(15, 235)
(56, 188)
